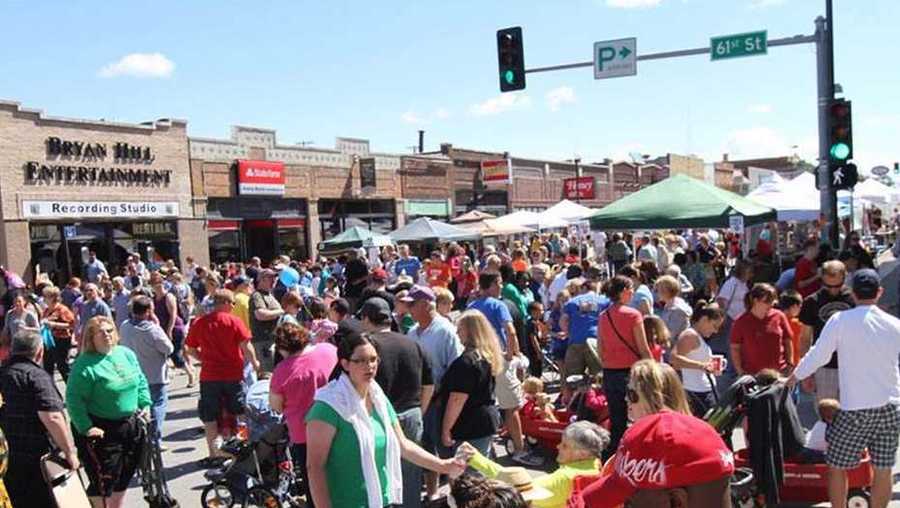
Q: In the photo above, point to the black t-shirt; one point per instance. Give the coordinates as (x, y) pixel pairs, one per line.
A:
(26, 389)
(820, 306)
(518, 323)
(471, 374)
(403, 369)
(355, 273)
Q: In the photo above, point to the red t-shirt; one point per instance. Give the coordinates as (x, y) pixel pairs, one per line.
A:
(219, 335)
(438, 274)
(615, 354)
(761, 340)
(805, 269)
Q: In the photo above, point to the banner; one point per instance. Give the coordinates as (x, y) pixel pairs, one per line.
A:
(367, 174)
(260, 178)
(579, 188)
(496, 172)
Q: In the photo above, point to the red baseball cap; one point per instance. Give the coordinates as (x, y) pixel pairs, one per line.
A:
(662, 451)
(379, 274)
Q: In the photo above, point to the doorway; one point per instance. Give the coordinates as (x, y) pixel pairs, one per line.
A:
(259, 239)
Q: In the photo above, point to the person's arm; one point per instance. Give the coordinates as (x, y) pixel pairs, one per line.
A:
(427, 393)
(411, 452)
(163, 344)
(512, 340)
(267, 314)
(687, 343)
(172, 307)
(820, 354)
(58, 427)
(736, 359)
(479, 462)
(787, 343)
(640, 340)
(455, 403)
(250, 353)
(192, 352)
(806, 334)
(276, 402)
(316, 456)
(77, 390)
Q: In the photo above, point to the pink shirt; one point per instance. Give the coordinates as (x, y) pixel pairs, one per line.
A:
(321, 330)
(296, 380)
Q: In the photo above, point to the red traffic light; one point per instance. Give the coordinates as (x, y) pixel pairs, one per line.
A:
(840, 110)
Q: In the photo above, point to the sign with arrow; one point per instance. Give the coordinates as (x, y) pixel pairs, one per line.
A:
(616, 58)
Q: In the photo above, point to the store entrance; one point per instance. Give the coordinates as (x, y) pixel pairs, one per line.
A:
(259, 239)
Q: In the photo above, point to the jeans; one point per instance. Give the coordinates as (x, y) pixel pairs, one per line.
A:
(58, 358)
(298, 457)
(159, 400)
(411, 423)
(615, 384)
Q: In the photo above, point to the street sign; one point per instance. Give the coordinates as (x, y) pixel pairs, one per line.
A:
(69, 231)
(739, 45)
(616, 58)
(880, 170)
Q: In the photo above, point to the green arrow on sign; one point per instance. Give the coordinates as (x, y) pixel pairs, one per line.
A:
(624, 52)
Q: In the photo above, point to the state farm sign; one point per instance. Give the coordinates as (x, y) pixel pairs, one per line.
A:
(579, 188)
(260, 178)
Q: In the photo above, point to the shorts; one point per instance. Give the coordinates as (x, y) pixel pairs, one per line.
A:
(508, 388)
(827, 384)
(216, 395)
(581, 357)
(851, 432)
(111, 462)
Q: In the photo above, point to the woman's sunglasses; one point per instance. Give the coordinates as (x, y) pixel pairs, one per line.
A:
(632, 396)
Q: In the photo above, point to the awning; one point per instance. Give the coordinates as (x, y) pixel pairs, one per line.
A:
(223, 225)
(291, 223)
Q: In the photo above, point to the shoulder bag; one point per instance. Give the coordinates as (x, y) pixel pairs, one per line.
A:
(619, 335)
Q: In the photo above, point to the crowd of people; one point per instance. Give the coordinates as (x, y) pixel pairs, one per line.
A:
(393, 371)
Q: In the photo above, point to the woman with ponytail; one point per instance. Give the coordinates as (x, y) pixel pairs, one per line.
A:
(694, 358)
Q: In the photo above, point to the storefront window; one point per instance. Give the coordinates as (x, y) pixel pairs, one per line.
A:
(335, 216)
(292, 243)
(224, 246)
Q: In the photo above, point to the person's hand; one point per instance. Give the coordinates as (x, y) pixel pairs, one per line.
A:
(791, 382)
(465, 452)
(144, 414)
(808, 385)
(452, 467)
(94, 433)
(446, 439)
(71, 457)
(257, 367)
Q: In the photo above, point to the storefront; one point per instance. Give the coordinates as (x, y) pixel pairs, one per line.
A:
(72, 186)
(336, 215)
(243, 227)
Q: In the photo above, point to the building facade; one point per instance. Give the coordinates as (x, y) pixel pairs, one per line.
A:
(426, 183)
(264, 199)
(540, 184)
(72, 186)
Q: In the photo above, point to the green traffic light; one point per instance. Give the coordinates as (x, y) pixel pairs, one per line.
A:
(509, 77)
(840, 151)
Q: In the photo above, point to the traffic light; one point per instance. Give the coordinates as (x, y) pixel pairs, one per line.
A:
(511, 59)
(844, 175)
(840, 147)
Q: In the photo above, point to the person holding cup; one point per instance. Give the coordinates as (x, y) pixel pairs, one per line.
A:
(694, 358)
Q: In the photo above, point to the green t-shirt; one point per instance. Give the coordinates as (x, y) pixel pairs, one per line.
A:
(110, 386)
(343, 468)
(406, 323)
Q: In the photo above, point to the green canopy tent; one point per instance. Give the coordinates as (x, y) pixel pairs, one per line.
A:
(354, 238)
(680, 202)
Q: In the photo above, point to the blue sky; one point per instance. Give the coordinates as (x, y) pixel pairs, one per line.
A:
(382, 70)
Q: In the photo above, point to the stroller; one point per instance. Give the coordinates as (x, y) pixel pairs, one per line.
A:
(150, 467)
(260, 472)
(794, 481)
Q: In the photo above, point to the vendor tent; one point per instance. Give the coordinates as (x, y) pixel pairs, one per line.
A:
(354, 238)
(534, 220)
(792, 199)
(875, 191)
(490, 227)
(430, 230)
(568, 211)
(679, 202)
(471, 216)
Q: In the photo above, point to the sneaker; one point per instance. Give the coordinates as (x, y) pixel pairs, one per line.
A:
(528, 459)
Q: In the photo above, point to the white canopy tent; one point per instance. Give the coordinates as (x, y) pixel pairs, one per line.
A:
(876, 192)
(534, 220)
(568, 211)
(793, 200)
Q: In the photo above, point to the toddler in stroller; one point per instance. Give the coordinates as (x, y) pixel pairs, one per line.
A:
(260, 472)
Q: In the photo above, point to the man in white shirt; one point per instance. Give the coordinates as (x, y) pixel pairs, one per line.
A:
(647, 252)
(867, 342)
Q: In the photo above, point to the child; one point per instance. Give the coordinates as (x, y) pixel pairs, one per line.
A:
(558, 344)
(321, 328)
(657, 336)
(537, 403)
(331, 292)
(790, 302)
(536, 332)
(816, 446)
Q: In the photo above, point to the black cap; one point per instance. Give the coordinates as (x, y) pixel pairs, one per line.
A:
(865, 283)
(376, 309)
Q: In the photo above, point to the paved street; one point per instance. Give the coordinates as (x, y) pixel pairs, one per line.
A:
(184, 439)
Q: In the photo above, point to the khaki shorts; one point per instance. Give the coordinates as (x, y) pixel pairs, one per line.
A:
(581, 357)
(508, 388)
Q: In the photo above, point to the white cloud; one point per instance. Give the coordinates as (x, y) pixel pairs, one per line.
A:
(760, 142)
(414, 118)
(559, 96)
(411, 118)
(759, 108)
(441, 114)
(501, 103)
(632, 4)
(761, 4)
(139, 65)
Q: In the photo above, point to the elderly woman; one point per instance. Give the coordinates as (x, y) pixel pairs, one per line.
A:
(579, 453)
(304, 369)
(676, 313)
(354, 459)
(105, 393)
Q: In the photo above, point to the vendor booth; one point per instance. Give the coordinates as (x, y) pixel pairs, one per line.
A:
(430, 231)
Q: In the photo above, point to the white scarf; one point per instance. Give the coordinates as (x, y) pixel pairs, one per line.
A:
(346, 402)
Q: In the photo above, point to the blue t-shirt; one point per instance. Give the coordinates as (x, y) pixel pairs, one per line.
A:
(584, 312)
(641, 294)
(410, 265)
(496, 312)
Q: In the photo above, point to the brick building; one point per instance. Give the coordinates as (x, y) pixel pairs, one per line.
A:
(538, 184)
(313, 195)
(70, 186)
(426, 182)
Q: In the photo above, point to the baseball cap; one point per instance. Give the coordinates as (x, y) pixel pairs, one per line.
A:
(419, 293)
(865, 283)
(379, 274)
(267, 272)
(662, 451)
(240, 280)
(376, 309)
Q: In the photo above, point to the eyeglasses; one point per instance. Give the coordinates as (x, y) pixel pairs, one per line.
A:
(632, 395)
(373, 360)
(834, 286)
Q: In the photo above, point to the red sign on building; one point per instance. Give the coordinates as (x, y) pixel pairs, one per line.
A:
(496, 172)
(579, 188)
(260, 178)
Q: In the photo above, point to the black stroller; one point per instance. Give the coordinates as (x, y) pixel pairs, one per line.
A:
(260, 472)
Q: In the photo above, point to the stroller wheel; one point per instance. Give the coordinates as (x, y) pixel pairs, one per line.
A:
(260, 497)
(217, 495)
(510, 447)
(858, 498)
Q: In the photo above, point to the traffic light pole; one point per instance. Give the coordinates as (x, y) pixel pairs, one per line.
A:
(825, 81)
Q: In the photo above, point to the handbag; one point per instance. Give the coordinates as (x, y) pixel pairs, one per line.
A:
(622, 339)
(47, 336)
(66, 486)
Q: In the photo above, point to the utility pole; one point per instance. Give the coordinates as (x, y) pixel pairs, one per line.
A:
(829, 202)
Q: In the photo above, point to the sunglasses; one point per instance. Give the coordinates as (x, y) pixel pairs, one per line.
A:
(632, 395)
